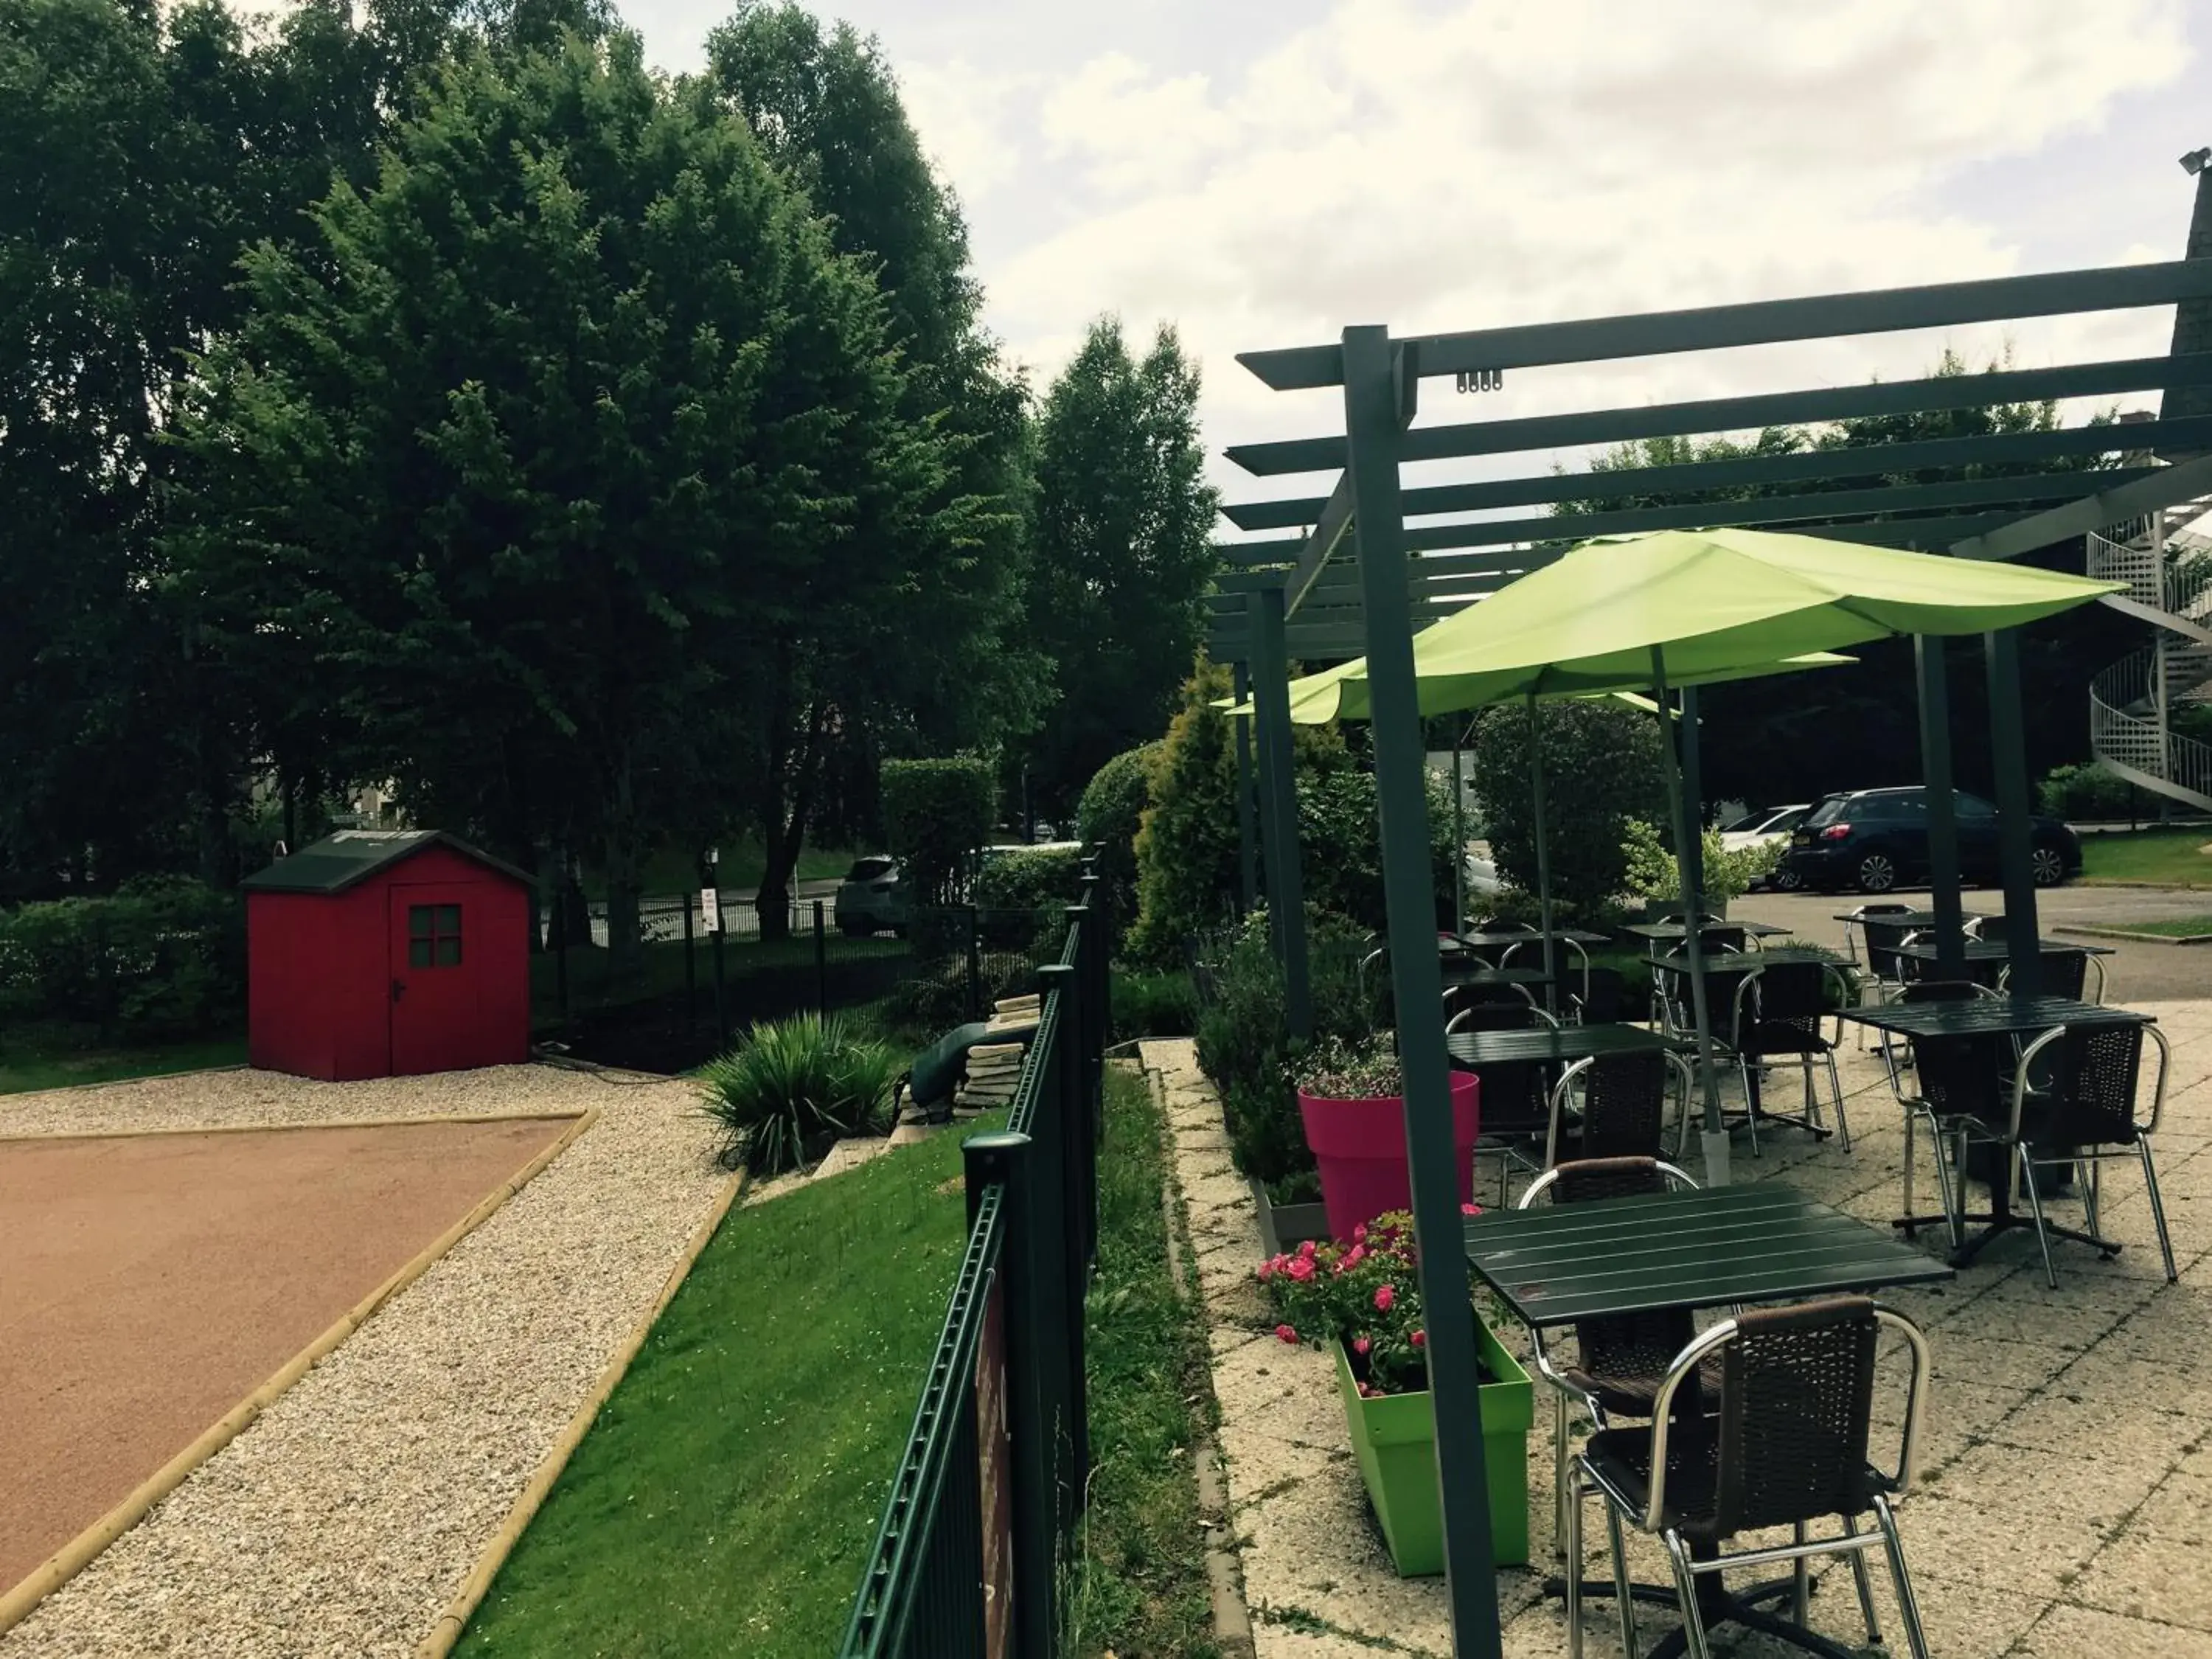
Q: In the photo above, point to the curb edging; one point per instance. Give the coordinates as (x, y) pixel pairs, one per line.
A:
(454, 1619)
(2132, 936)
(21, 1598)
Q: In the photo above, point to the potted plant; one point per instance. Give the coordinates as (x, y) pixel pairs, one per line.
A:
(1352, 1103)
(1362, 1302)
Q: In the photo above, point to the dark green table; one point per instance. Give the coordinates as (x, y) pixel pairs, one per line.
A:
(1700, 1248)
(1545, 1047)
(1487, 941)
(1993, 956)
(1704, 1247)
(1675, 930)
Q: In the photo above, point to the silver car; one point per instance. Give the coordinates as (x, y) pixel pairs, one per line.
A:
(872, 898)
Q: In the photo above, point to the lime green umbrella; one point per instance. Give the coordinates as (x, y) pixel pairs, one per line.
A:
(1674, 607)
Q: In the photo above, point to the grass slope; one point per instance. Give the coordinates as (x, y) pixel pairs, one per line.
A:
(2165, 858)
(25, 1066)
(726, 1498)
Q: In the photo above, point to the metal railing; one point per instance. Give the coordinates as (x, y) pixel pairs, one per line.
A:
(967, 1561)
(2168, 572)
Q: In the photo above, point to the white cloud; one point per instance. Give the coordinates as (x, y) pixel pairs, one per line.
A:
(1502, 162)
(961, 114)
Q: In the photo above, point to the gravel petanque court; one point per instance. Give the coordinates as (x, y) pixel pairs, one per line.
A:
(155, 1281)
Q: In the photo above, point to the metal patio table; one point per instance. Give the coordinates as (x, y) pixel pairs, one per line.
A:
(1476, 1049)
(1724, 973)
(1459, 970)
(1479, 940)
(1698, 1248)
(1673, 931)
(1990, 956)
(1993, 1025)
(1906, 918)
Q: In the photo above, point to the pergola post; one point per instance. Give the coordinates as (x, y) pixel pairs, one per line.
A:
(2008, 759)
(1942, 816)
(1694, 781)
(1248, 843)
(1373, 406)
(1278, 810)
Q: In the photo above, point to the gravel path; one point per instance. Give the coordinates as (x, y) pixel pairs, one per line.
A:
(346, 1517)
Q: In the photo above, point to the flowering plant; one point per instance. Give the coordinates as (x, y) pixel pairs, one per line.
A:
(1335, 1070)
(1366, 1295)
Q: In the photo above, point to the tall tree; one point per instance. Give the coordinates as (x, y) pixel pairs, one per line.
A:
(567, 439)
(825, 108)
(1123, 552)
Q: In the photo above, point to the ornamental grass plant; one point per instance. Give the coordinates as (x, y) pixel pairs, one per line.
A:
(791, 1088)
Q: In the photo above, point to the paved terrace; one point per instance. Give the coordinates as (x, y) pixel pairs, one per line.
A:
(2065, 1502)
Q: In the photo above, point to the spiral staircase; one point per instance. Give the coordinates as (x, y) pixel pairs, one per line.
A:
(2133, 703)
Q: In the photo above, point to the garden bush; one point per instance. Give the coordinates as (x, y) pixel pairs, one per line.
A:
(2089, 792)
(1108, 818)
(1030, 879)
(1340, 850)
(1652, 872)
(163, 958)
(791, 1088)
(1600, 769)
(1187, 853)
(1153, 1005)
(936, 814)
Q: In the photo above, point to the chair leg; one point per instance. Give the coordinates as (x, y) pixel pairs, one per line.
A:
(2157, 1208)
(2035, 1208)
(1908, 1609)
(1560, 1472)
(1836, 1089)
(1800, 1584)
(1951, 1195)
(1686, 1591)
(1623, 1592)
(1571, 1515)
(1864, 1581)
(1911, 1143)
(2085, 1171)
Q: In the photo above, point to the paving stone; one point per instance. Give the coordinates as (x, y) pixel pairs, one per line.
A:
(2076, 1632)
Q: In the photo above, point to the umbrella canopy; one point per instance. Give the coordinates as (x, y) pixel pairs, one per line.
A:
(1313, 699)
(1716, 599)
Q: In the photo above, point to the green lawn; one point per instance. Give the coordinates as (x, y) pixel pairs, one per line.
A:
(658, 970)
(725, 1499)
(2178, 928)
(2165, 858)
(28, 1063)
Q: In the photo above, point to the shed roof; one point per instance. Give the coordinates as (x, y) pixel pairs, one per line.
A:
(351, 856)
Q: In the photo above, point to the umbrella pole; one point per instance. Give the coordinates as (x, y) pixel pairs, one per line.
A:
(1716, 1136)
(1459, 834)
(1543, 857)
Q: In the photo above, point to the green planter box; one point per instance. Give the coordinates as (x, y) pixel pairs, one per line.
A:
(1395, 1438)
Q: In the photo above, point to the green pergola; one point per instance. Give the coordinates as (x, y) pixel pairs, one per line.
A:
(1355, 578)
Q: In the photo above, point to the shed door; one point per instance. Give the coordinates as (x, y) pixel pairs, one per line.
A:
(434, 986)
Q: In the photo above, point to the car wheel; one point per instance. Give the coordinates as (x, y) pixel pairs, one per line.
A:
(2047, 865)
(1877, 873)
(1785, 880)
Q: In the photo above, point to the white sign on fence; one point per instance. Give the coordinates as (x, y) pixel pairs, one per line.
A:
(710, 911)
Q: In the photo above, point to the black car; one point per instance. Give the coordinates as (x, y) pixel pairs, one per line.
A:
(1876, 840)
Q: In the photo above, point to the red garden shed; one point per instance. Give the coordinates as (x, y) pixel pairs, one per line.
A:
(378, 953)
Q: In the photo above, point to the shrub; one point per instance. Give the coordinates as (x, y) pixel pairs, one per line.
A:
(1030, 879)
(1600, 769)
(1366, 1296)
(1187, 849)
(793, 1087)
(1153, 1005)
(936, 814)
(162, 958)
(2088, 792)
(1109, 817)
(1341, 846)
(1652, 872)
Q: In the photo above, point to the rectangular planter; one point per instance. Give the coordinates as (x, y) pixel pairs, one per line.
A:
(1284, 1227)
(1395, 1437)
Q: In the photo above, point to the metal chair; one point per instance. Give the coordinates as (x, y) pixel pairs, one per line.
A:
(1624, 1106)
(1535, 947)
(1493, 1008)
(1857, 920)
(1620, 1360)
(1604, 994)
(1874, 947)
(2065, 974)
(1787, 1446)
(1779, 1009)
(2084, 1114)
(1987, 928)
(1953, 1082)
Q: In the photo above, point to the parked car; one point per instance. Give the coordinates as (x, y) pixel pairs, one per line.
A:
(1876, 840)
(872, 898)
(1768, 826)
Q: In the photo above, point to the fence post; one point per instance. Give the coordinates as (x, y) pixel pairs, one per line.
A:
(821, 963)
(1031, 1386)
(721, 1005)
(975, 963)
(690, 974)
(1066, 1137)
(561, 949)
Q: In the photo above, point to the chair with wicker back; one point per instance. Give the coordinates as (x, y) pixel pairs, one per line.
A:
(1621, 1359)
(1624, 1106)
(1779, 1011)
(1960, 1081)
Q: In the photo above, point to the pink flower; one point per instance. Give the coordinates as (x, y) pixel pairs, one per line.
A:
(1366, 1393)
(1266, 1270)
(1300, 1268)
(1286, 1334)
(1360, 1346)
(1306, 1249)
(1359, 1233)
(1470, 1209)
(1420, 1338)
(1384, 1295)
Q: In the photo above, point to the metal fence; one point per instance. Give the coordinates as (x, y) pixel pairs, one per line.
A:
(982, 1508)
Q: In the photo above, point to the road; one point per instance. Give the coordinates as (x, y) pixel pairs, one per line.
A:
(2138, 973)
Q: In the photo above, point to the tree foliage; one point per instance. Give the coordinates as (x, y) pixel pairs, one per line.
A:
(1123, 552)
(1601, 769)
(1187, 849)
(1109, 817)
(936, 813)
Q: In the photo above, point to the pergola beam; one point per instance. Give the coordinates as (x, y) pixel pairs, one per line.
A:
(1764, 322)
(2140, 493)
(1711, 415)
(1758, 471)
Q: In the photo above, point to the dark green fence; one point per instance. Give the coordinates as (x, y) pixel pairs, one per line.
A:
(984, 1504)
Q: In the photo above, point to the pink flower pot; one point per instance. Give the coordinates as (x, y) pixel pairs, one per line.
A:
(1360, 1146)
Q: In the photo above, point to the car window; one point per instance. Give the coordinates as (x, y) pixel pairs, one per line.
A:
(1964, 806)
(1782, 822)
(1828, 812)
(1745, 821)
(869, 869)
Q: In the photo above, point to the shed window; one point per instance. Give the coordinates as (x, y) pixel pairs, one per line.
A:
(434, 936)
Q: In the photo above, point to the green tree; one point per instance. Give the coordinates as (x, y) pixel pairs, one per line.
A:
(1187, 849)
(570, 457)
(1109, 816)
(1122, 551)
(1601, 769)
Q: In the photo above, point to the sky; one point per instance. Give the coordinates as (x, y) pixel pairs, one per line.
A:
(1263, 173)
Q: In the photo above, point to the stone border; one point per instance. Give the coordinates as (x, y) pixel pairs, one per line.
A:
(2084, 931)
(454, 1621)
(81, 1551)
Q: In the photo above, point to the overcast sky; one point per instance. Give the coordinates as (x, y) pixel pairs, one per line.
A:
(1261, 172)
